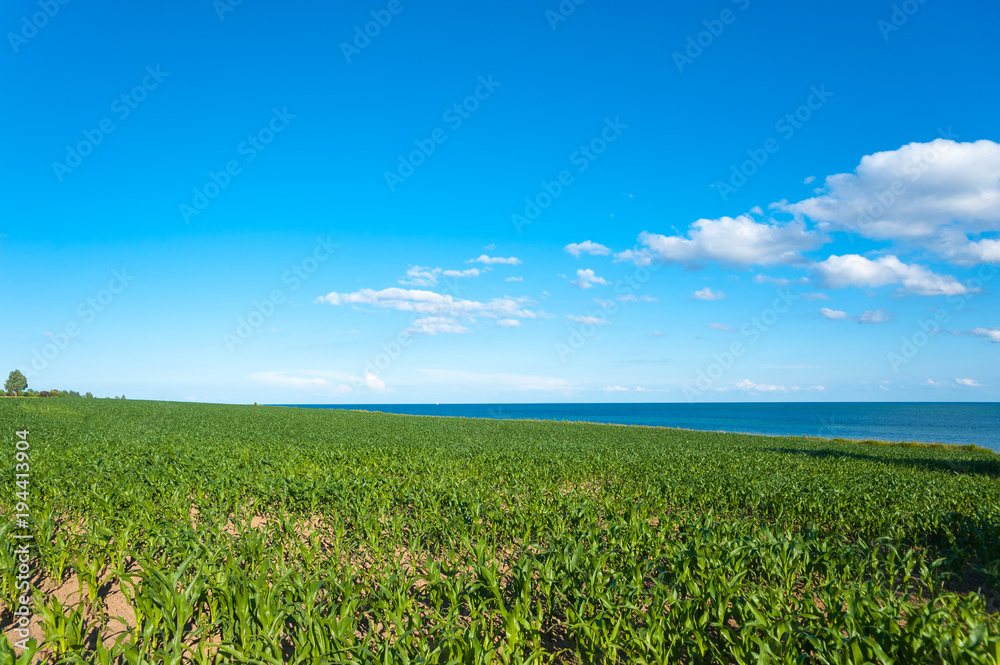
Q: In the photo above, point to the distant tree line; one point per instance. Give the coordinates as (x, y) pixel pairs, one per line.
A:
(17, 386)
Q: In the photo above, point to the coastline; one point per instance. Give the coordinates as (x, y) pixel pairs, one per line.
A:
(911, 423)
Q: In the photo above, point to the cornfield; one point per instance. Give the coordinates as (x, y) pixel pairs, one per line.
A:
(188, 533)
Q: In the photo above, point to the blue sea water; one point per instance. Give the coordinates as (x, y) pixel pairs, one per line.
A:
(944, 422)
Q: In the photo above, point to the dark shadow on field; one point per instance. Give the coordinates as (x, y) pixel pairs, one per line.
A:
(972, 578)
(970, 544)
(971, 547)
(985, 467)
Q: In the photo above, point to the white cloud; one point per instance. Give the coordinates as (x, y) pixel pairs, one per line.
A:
(587, 247)
(615, 389)
(965, 251)
(373, 382)
(809, 179)
(440, 311)
(968, 383)
(501, 381)
(283, 380)
(432, 325)
(708, 294)
(490, 247)
(628, 297)
(855, 270)
(721, 326)
(747, 385)
(656, 333)
(490, 260)
(780, 281)
(869, 316)
(992, 334)
(814, 296)
(932, 382)
(322, 382)
(640, 257)
(816, 388)
(426, 276)
(586, 279)
(514, 279)
(421, 276)
(429, 302)
(471, 272)
(509, 323)
(740, 241)
(593, 320)
(935, 193)
(876, 316)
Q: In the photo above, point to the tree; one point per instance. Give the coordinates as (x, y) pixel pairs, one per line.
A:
(89, 395)
(16, 382)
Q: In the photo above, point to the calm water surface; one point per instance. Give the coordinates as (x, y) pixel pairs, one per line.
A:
(950, 422)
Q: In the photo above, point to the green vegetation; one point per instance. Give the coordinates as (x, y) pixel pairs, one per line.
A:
(17, 386)
(203, 533)
(16, 382)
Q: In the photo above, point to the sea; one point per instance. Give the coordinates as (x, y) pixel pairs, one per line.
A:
(930, 422)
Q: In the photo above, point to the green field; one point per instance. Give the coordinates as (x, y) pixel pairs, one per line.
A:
(176, 533)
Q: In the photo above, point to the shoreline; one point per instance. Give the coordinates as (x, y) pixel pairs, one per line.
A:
(902, 443)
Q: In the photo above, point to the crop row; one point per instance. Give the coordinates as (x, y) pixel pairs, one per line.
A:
(170, 533)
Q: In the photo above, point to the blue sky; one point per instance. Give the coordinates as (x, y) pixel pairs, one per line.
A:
(721, 201)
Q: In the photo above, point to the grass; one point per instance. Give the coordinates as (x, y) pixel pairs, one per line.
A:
(192, 533)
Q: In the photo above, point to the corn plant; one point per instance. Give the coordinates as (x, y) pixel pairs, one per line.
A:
(273, 535)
